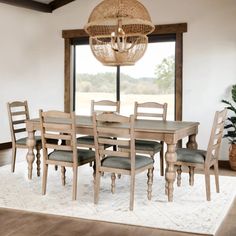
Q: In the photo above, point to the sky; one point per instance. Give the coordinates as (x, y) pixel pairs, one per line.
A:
(145, 67)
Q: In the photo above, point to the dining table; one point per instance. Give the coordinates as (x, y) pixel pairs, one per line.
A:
(170, 132)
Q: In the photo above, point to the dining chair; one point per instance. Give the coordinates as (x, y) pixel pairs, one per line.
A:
(204, 159)
(18, 113)
(150, 110)
(59, 125)
(98, 106)
(116, 161)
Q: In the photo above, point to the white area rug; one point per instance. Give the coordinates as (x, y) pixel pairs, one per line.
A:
(190, 212)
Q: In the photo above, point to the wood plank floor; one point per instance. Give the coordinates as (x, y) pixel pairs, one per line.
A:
(20, 223)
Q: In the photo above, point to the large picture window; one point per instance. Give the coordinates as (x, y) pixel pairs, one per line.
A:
(155, 77)
(152, 78)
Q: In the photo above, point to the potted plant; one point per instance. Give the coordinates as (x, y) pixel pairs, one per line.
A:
(230, 128)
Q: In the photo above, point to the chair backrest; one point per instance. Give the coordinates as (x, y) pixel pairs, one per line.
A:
(121, 129)
(105, 106)
(18, 113)
(214, 143)
(58, 125)
(150, 110)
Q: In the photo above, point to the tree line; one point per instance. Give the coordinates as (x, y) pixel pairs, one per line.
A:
(162, 83)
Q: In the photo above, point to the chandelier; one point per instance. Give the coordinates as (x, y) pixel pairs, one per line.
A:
(118, 31)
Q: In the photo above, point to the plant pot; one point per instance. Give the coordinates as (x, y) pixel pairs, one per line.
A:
(232, 156)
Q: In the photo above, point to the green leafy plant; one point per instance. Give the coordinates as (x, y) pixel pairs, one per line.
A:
(231, 121)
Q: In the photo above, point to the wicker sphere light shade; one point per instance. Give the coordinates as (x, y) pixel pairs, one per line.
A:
(118, 31)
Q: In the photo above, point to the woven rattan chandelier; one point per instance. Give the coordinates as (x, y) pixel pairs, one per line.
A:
(118, 31)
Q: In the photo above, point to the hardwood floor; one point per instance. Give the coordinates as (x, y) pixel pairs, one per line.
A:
(21, 223)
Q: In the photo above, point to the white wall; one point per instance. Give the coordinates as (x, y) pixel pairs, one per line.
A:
(30, 68)
(36, 63)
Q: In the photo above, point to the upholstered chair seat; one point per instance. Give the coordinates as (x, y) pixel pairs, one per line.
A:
(124, 163)
(84, 156)
(191, 155)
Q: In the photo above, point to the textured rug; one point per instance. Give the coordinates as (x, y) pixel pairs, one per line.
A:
(189, 212)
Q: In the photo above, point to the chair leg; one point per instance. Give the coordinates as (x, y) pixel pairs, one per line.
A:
(162, 160)
(97, 186)
(45, 174)
(216, 171)
(38, 162)
(166, 183)
(191, 175)
(56, 167)
(13, 162)
(63, 175)
(152, 156)
(75, 177)
(149, 183)
(132, 185)
(113, 182)
(207, 183)
(179, 171)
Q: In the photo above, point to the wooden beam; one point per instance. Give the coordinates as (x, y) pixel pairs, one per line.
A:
(37, 6)
(170, 29)
(179, 76)
(67, 76)
(59, 3)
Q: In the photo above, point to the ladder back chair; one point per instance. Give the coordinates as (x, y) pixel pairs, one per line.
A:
(57, 125)
(150, 110)
(116, 161)
(18, 113)
(204, 159)
(98, 106)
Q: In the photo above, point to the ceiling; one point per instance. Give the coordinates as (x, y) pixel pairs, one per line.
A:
(38, 5)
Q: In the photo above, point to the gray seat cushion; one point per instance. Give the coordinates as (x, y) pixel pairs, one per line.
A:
(86, 140)
(89, 140)
(147, 145)
(84, 156)
(22, 141)
(124, 163)
(191, 155)
(38, 140)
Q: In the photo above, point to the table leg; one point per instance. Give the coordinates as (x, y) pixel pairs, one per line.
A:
(30, 154)
(170, 173)
(192, 144)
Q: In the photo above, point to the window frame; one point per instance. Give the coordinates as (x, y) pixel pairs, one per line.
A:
(164, 32)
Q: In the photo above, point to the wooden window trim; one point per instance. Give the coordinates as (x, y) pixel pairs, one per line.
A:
(176, 29)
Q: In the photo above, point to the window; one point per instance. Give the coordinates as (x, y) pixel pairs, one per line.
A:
(152, 78)
(171, 34)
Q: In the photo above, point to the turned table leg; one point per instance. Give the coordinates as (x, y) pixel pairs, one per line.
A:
(170, 173)
(30, 154)
(192, 144)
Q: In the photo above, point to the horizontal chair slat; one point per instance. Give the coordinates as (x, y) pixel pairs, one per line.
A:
(114, 153)
(59, 147)
(149, 114)
(106, 131)
(57, 127)
(150, 105)
(110, 118)
(17, 104)
(18, 113)
(56, 114)
(113, 141)
(58, 136)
